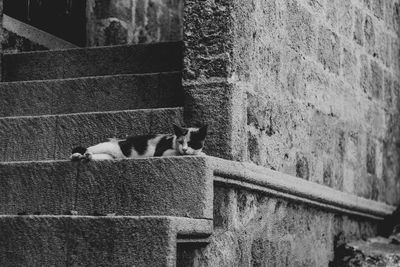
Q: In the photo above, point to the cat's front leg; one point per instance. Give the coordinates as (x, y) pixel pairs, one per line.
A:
(102, 156)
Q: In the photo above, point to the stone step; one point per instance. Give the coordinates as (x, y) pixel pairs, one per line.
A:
(170, 186)
(53, 137)
(94, 241)
(101, 93)
(94, 61)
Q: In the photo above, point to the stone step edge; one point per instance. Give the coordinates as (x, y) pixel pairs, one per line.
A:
(184, 226)
(251, 176)
(97, 48)
(5, 83)
(89, 113)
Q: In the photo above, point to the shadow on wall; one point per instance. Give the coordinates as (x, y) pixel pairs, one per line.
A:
(96, 22)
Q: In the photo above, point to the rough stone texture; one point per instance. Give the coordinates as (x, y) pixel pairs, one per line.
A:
(374, 252)
(177, 186)
(311, 77)
(329, 50)
(203, 107)
(115, 22)
(53, 137)
(118, 92)
(93, 62)
(88, 241)
(253, 229)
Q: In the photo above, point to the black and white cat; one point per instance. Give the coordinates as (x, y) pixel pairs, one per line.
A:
(185, 141)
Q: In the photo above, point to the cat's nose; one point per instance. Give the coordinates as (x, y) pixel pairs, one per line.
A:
(184, 149)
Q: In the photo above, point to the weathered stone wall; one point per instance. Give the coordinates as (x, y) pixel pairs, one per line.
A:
(113, 22)
(319, 82)
(254, 229)
(324, 101)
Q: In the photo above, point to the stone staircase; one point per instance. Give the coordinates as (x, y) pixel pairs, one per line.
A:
(130, 212)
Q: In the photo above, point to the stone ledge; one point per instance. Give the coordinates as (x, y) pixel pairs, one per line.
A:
(292, 188)
(84, 241)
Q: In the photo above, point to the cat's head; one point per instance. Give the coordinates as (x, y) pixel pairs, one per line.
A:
(190, 141)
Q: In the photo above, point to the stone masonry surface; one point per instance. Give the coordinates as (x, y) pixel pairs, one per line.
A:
(253, 229)
(318, 81)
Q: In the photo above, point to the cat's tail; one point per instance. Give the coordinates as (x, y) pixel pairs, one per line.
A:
(78, 153)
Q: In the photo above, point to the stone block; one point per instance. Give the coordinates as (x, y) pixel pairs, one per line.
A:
(19, 99)
(395, 55)
(119, 92)
(207, 24)
(203, 102)
(85, 241)
(317, 5)
(345, 17)
(388, 13)
(388, 95)
(37, 188)
(378, 8)
(365, 75)
(177, 186)
(27, 138)
(371, 155)
(329, 49)
(33, 66)
(349, 65)
(72, 63)
(301, 28)
(376, 79)
(368, 3)
(369, 34)
(358, 34)
(332, 13)
(396, 18)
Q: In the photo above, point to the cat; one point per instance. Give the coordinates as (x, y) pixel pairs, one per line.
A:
(185, 141)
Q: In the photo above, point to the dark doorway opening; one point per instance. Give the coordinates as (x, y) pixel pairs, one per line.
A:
(65, 19)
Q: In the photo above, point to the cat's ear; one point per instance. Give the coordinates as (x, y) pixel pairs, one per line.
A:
(179, 131)
(203, 132)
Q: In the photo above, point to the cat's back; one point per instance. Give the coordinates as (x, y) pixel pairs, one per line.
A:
(146, 145)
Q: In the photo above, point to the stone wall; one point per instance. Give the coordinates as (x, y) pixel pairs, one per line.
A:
(114, 22)
(254, 229)
(318, 83)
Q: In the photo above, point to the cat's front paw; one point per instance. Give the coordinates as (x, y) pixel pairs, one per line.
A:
(76, 157)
